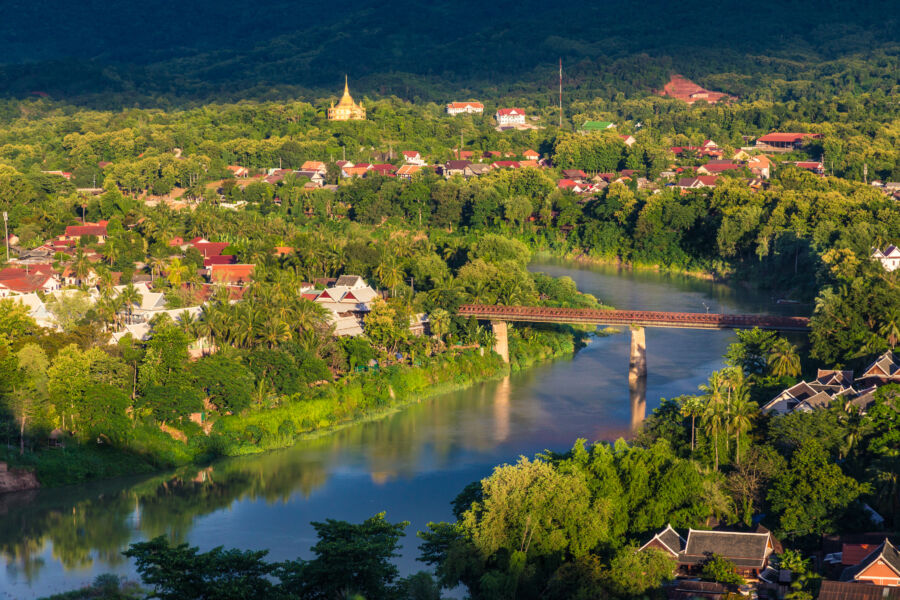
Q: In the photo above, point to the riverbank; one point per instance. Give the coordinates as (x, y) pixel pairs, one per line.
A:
(588, 259)
(314, 412)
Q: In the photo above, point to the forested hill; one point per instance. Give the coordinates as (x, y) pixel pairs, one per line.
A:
(225, 49)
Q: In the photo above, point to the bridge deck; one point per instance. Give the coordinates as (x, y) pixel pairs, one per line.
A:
(643, 318)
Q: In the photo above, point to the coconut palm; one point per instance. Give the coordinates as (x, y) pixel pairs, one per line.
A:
(129, 298)
(439, 322)
(783, 359)
(81, 265)
(157, 266)
(177, 272)
(389, 272)
(715, 393)
(692, 407)
(891, 328)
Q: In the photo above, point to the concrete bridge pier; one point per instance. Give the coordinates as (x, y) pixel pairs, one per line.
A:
(637, 376)
(501, 339)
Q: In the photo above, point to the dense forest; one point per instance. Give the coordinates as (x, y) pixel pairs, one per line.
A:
(156, 52)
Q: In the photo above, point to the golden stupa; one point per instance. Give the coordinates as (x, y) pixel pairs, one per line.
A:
(346, 109)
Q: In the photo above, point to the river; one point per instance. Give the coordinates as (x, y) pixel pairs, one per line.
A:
(410, 464)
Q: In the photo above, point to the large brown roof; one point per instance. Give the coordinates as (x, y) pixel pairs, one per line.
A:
(748, 550)
(846, 590)
(885, 552)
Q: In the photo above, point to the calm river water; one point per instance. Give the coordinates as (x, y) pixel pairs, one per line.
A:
(410, 464)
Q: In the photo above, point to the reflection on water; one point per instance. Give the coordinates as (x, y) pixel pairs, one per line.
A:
(410, 464)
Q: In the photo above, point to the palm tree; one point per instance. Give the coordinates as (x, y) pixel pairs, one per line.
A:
(157, 266)
(891, 328)
(129, 298)
(389, 272)
(715, 393)
(177, 272)
(740, 418)
(692, 407)
(439, 322)
(81, 265)
(783, 359)
(274, 331)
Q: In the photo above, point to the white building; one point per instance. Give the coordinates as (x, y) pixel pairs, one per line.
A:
(890, 258)
(507, 117)
(456, 108)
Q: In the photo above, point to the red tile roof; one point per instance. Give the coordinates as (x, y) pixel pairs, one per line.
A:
(208, 249)
(506, 164)
(786, 137)
(465, 104)
(231, 273)
(222, 259)
(98, 229)
(510, 111)
(684, 89)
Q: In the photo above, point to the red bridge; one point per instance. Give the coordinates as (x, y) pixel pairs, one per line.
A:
(640, 318)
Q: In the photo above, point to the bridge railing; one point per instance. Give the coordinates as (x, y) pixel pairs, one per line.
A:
(588, 315)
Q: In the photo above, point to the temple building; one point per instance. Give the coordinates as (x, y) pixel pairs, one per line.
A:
(346, 109)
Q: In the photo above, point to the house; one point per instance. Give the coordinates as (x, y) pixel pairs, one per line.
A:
(890, 258)
(741, 155)
(885, 369)
(760, 166)
(407, 171)
(510, 117)
(75, 232)
(846, 590)
(455, 167)
(348, 299)
(879, 567)
(531, 155)
(505, 164)
(784, 142)
(355, 171)
(207, 248)
(576, 174)
(413, 158)
(715, 167)
(384, 169)
(477, 170)
(628, 140)
(748, 551)
(694, 183)
(230, 274)
(589, 126)
(64, 174)
(343, 163)
(530, 163)
(346, 109)
(275, 176)
(17, 281)
(456, 108)
(315, 177)
(812, 166)
(314, 165)
(238, 171)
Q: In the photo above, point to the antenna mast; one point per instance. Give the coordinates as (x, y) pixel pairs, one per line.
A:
(560, 92)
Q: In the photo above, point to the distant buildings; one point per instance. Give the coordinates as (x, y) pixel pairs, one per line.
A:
(510, 117)
(889, 259)
(346, 109)
(784, 142)
(686, 90)
(457, 108)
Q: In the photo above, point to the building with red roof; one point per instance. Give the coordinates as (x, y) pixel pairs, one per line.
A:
(231, 274)
(510, 117)
(208, 249)
(505, 164)
(456, 108)
(699, 182)
(15, 281)
(384, 169)
(784, 142)
(411, 157)
(75, 232)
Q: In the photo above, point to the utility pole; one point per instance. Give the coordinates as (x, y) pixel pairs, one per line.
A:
(866, 173)
(6, 230)
(560, 92)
